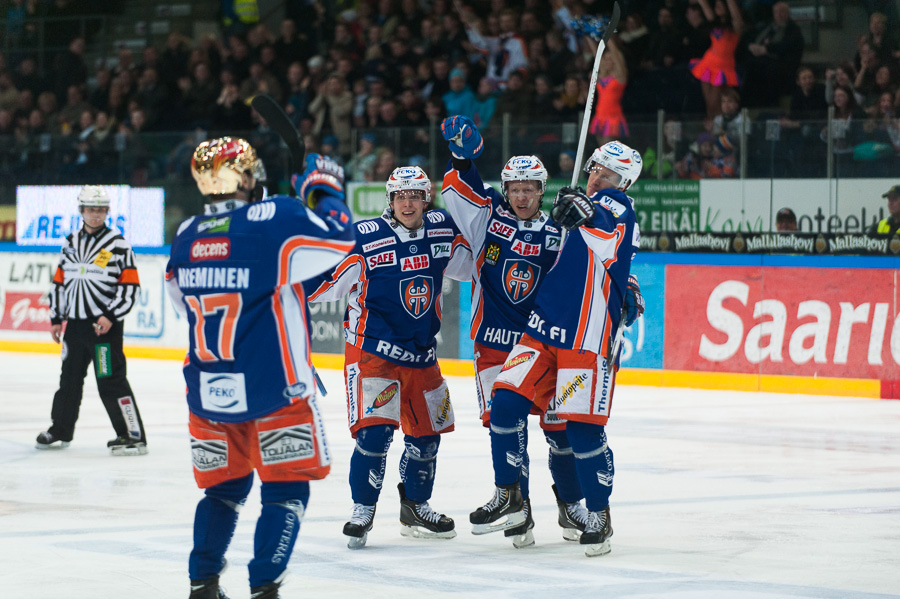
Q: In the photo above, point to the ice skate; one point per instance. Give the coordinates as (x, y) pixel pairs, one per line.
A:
(507, 501)
(419, 521)
(572, 517)
(521, 535)
(207, 588)
(596, 533)
(47, 440)
(266, 591)
(357, 530)
(122, 446)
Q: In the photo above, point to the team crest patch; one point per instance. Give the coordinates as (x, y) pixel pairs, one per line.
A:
(416, 293)
(288, 444)
(520, 278)
(492, 253)
(209, 455)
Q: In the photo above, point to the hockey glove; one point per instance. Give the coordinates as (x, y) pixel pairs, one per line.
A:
(323, 176)
(634, 301)
(572, 208)
(464, 139)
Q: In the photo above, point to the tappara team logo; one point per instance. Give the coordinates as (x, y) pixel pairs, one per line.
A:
(416, 293)
(519, 279)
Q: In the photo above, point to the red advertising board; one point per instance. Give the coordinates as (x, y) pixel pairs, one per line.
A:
(796, 321)
(25, 311)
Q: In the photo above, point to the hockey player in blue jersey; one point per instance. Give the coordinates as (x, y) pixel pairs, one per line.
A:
(563, 362)
(514, 245)
(236, 274)
(393, 279)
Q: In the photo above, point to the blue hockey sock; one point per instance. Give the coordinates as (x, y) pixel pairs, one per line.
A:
(214, 523)
(593, 462)
(562, 466)
(417, 466)
(283, 505)
(509, 419)
(368, 461)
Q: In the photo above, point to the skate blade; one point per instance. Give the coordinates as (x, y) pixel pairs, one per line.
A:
(415, 532)
(571, 534)
(524, 540)
(128, 451)
(357, 542)
(53, 446)
(512, 520)
(598, 549)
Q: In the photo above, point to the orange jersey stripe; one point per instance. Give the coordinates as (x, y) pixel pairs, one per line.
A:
(586, 301)
(286, 361)
(452, 179)
(295, 242)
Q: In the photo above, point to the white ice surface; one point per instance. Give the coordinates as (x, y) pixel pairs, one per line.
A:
(719, 495)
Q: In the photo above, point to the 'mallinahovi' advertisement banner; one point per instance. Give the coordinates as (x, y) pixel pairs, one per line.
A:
(859, 244)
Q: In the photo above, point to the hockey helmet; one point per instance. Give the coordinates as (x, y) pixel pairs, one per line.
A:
(93, 195)
(524, 168)
(218, 165)
(408, 177)
(619, 158)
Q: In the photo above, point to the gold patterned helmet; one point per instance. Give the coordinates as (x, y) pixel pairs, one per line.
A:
(219, 164)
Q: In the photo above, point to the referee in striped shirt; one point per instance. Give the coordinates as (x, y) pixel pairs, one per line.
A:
(94, 287)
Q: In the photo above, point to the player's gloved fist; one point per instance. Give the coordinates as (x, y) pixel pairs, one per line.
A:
(634, 301)
(465, 140)
(572, 208)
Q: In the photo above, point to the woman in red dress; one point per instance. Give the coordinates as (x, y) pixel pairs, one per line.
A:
(716, 68)
(609, 120)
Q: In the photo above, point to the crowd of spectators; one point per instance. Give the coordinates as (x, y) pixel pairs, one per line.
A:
(363, 84)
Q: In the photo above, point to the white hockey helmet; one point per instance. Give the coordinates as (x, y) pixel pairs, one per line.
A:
(619, 158)
(218, 165)
(93, 195)
(524, 168)
(408, 177)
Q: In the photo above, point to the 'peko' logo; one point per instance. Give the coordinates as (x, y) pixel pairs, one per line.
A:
(519, 279)
(383, 398)
(211, 248)
(214, 225)
(520, 359)
(416, 295)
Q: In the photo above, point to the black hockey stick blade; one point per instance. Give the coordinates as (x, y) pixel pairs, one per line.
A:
(613, 22)
(279, 122)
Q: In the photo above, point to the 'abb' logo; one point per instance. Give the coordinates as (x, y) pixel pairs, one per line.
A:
(414, 263)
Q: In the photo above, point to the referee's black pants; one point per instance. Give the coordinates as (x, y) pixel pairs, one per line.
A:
(81, 346)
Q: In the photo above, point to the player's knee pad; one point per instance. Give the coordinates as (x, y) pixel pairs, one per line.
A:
(562, 466)
(508, 410)
(586, 439)
(418, 465)
(284, 504)
(374, 440)
(593, 462)
(232, 492)
(292, 495)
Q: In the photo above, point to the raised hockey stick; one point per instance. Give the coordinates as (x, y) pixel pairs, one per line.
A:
(279, 122)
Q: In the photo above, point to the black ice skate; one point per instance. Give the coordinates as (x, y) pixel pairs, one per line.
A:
(47, 440)
(597, 533)
(208, 588)
(572, 517)
(521, 535)
(419, 521)
(507, 501)
(357, 530)
(121, 446)
(266, 591)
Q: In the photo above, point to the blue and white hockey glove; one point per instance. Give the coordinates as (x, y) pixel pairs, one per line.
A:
(634, 301)
(323, 176)
(572, 208)
(464, 139)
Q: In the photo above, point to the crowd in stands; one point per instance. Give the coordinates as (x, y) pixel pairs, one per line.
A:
(388, 68)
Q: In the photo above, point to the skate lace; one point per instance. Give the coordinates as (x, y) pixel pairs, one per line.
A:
(595, 522)
(577, 513)
(499, 497)
(424, 511)
(362, 514)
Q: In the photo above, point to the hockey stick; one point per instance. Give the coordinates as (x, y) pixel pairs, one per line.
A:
(279, 122)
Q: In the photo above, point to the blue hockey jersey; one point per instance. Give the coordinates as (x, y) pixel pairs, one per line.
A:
(394, 279)
(579, 304)
(237, 278)
(511, 256)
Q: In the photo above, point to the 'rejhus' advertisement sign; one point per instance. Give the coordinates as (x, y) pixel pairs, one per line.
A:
(789, 321)
(47, 214)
